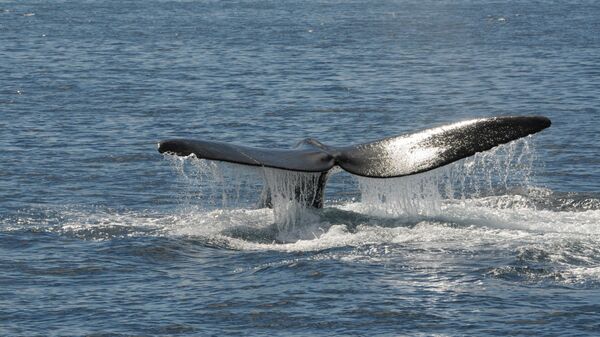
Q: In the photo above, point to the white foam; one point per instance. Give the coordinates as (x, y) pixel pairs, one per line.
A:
(450, 207)
(581, 275)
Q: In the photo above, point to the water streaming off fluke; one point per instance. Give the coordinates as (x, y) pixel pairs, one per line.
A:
(209, 185)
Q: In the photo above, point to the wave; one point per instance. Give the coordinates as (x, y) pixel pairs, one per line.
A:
(509, 237)
(477, 207)
(354, 223)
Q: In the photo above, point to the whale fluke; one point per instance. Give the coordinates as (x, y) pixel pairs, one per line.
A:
(429, 149)
(386, 158)
(304, 159)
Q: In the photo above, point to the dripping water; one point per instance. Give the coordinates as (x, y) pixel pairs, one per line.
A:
(210, 185)
(504, 169)
(207, 186)
(292, 193)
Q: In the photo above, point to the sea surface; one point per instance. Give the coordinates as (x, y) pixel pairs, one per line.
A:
(100, 235)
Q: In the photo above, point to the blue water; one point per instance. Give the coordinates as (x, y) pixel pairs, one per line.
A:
(100, 235)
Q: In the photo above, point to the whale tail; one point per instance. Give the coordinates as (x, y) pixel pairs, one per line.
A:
(386, 158)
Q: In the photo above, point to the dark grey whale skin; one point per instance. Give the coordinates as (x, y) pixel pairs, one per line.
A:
(386, 158)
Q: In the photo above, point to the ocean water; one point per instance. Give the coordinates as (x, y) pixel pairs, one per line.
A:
(100, 235)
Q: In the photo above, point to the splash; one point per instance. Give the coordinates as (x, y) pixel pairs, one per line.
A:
(211, 185)
(291, 195)
(504, 168)
(218, 188)
(206, 184)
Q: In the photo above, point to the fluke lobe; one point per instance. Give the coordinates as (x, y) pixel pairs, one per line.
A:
(386, 158)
